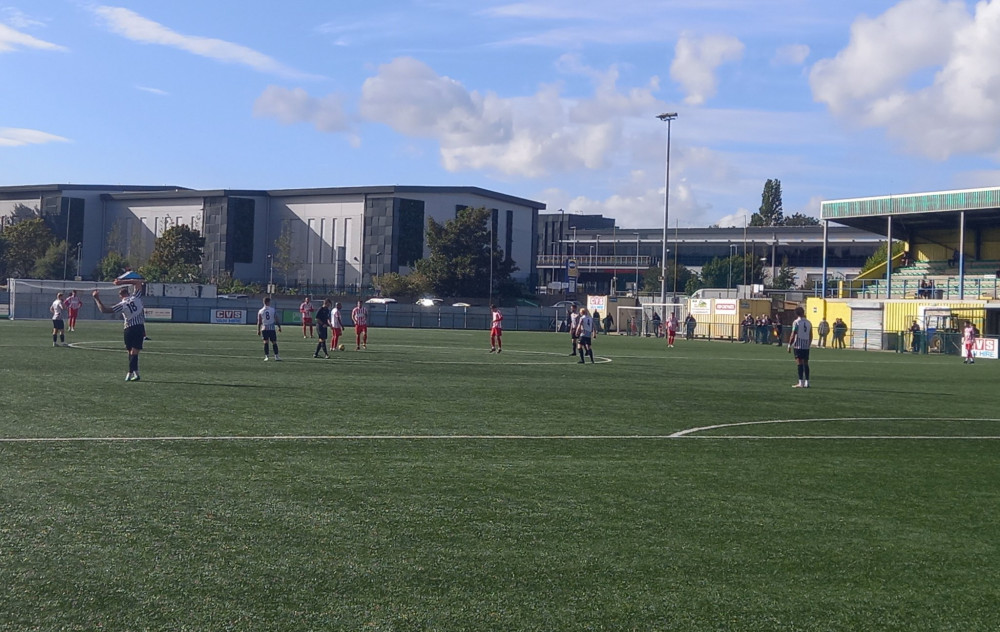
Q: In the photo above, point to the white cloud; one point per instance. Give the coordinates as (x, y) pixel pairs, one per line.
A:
(791, 55)
(326, 114)
(926, 72)
(740, 218)
(11, 40)
(137, 28)
(528, 136)
(155, 91)
(696, 61)
(17, 137)
(18, 19)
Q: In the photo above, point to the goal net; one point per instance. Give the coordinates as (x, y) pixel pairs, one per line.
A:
(30, 298)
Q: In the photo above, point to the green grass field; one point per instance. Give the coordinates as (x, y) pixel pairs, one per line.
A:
(425, 484)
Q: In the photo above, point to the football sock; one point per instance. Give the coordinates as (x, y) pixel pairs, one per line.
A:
(54, 338)
(274, 345)
(62, 337)
(265, 349)
(805, 371)
(133, 363)
(801, 372)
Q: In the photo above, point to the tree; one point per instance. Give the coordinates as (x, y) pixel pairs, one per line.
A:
(770, 213)
(785, 278)
(464, 256)
(878, 257)
(111, 266)
(283, 258)
(53, 264)
(25, 242)
(176, 246)
(798, 219)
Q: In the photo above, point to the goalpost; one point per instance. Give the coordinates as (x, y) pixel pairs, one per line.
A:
(638, 320)
(30, 298)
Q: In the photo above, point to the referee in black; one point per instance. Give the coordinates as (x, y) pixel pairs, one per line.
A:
(130, 307)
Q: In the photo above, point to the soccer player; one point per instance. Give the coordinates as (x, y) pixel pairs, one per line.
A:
(496, 330)
(586, 332)
(73, 305)
(58, 327)
(336, 326)
(574, 324)
(130, 307)
(800, 341)
(307, 309)
(671, 328)
(360, 317)
(267, 321)
(322, 326)
(968, 342)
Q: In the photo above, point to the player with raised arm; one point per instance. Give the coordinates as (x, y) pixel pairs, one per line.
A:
(336, 327)
(322, 328)
(73, 305)
(267, 321)
(58, 327)
(360, 317)
(800, 341)
(130, 307)
(496, 330)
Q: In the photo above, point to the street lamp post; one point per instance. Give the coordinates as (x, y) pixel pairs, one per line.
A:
(79, 256)
(732, 253)
(667, 117)
(637, 265)
(270, 281)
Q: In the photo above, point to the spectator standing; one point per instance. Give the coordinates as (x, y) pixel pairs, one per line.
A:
(823, 330)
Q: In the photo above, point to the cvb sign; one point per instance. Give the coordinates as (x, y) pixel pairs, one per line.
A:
(229, 316)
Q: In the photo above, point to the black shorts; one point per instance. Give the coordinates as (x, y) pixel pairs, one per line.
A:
(801, 354)
(134, 336)
(269, 335)
(57, 323)
(322, 332)
(584, 340)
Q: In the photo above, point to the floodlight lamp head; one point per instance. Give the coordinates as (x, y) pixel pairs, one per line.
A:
(667, 116)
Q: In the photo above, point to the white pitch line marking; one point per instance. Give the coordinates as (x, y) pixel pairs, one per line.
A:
(690, 432)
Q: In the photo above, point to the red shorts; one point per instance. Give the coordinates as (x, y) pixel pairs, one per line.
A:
(307, 320)
(361, 329)
(496, 331)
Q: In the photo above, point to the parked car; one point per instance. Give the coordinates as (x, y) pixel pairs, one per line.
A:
(233, 296)
(429, 302)
(380, 300)
(565, 304)
(460, 304)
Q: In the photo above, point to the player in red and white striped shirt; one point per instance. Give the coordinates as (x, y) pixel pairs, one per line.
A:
(360, 317)
(496, 330)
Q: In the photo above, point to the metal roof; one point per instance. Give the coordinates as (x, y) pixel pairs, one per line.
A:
(917, 211)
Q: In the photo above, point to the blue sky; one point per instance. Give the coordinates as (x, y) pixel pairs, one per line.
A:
(551, 100)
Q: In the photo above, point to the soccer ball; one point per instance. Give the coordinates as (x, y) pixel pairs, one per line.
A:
(341, 347)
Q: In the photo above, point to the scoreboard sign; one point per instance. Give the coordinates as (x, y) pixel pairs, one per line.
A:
(229, 316)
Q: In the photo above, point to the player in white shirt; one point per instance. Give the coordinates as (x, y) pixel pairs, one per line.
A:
(585, 332)
(131, 309)
(336, 326)
(360, 317)
(267, 321)
(58, 327)
(496, 330)
(574, 324)
(968, 342)
(799, 342)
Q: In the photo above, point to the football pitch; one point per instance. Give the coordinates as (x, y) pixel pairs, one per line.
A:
(426, 484)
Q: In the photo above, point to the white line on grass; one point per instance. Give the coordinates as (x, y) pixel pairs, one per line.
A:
(682, 434)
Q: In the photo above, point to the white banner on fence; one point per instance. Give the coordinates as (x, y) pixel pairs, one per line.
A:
(725, 306)
(701, 306)
(158, 313)
(229, 316)
(985, 348)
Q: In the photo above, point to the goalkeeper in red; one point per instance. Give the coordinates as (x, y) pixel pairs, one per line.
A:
(799, 343)
(496, 330)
